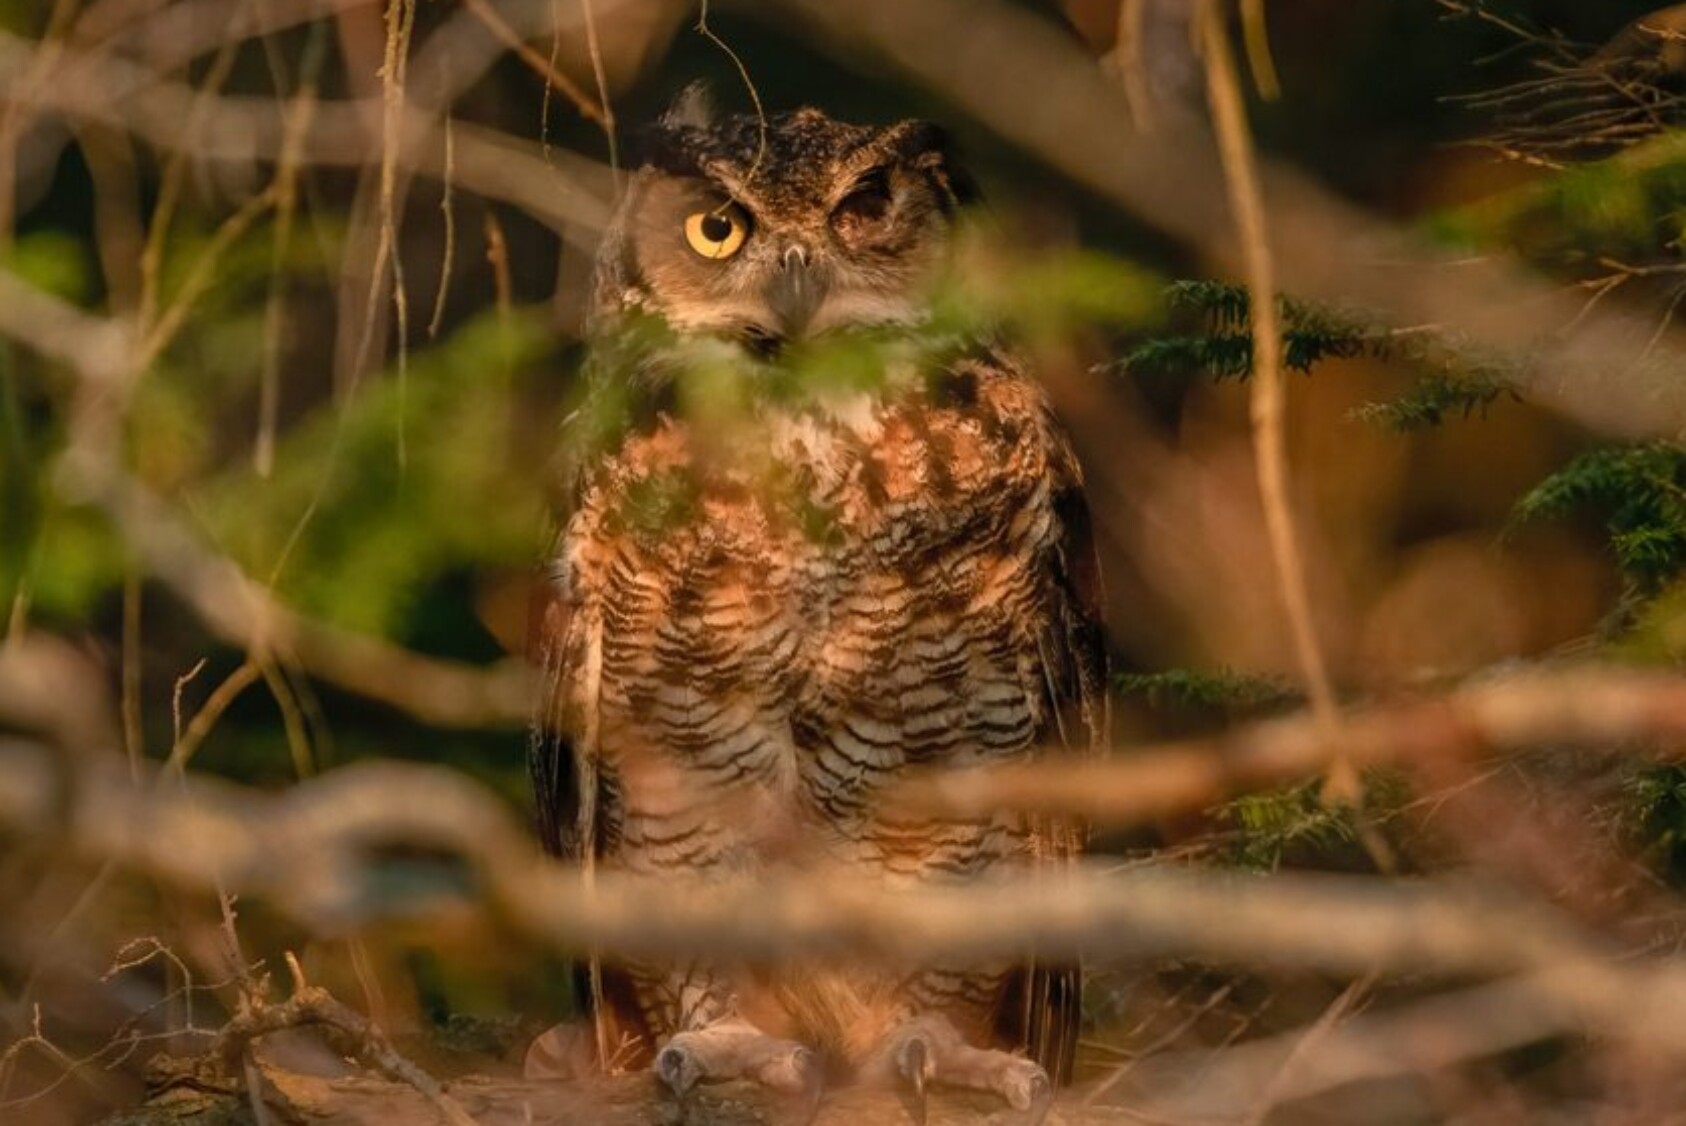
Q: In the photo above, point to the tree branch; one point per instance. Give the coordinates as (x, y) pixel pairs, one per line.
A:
(1018, 74)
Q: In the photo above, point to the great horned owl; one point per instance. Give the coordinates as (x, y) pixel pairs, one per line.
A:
(762, 617)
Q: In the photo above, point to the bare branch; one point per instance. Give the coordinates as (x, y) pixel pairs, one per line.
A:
(1019, 75)
(316, 853)
(1591, 706)
(567, 192)
(240, 611)
(1267, 402)
(313, 1005)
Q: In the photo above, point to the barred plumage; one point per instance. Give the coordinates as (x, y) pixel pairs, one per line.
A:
(761, 622)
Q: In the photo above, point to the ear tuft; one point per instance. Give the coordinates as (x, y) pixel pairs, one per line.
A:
(692, 109)
(930, 149)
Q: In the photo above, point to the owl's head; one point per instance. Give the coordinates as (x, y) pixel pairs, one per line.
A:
(818, 226)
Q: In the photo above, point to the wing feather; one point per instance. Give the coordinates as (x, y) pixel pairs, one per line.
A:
(1045, 1004)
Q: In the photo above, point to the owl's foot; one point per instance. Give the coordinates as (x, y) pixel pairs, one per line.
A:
(566, 1051)
(735, 1049)
(929, 1050)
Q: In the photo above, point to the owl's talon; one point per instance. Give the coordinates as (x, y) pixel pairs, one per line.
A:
(1038, 1096)
(913, 1062)
(678, 1069)
(813, 1084)
(928, 1050)
(735, 1049)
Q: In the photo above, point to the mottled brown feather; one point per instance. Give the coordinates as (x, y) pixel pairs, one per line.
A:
(758, 623)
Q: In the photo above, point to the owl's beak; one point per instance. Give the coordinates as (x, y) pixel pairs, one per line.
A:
(795, 292)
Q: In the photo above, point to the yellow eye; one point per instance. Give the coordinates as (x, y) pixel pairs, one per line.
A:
(717, 233)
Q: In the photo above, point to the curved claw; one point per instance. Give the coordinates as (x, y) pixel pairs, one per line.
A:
(813, 1084)
(913, 1062)
(678, 1069)
(1041, 1101)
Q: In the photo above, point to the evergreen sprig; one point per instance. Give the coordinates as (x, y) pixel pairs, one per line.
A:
(1458, 381)
(1640, 491)
(1221, 690)
(1435, 398)
(1225, 350)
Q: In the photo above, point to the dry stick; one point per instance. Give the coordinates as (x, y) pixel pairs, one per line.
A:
(71, 1068)
(497, 256)
(246, 614)
(118, 232)
(1130, 66)
(182, 682)
(1147, 1051)
(549, 87)
(399, 23)
(313, 1005)
(180, 754)
(1592, 706)
(1257, 40)
(236, 609)
(175, 169)
(118, 93)
(1423, 1037)
(184, 30)
(1304, 1047)
(205, 718)
(189, 740)
(294, 130)
(595, 49)
(450, 218)
(134, 739)
(400, 20)
(171, 321)
(20, 106)
(1270, 454)
(292, 717)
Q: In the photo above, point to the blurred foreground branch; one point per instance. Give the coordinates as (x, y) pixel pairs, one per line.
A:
(241, 612)
(1015, 72)
(1593, 706)
(322, 852)
(629, 1100)
(566, 191)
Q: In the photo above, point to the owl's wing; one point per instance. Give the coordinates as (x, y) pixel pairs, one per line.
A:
(1044, 1005)
(550, 751)
(577, 802)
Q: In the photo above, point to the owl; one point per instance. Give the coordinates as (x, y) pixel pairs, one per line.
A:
(815, 541)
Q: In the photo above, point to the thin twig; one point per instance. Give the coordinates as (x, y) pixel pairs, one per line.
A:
(123, 95)
(1588, 706)
(595, 49)
(544, 68)
(189, 740)
(313, 1005)
(1235, 146)
(448, 258)
(175, 169)
(400, 21)
(134, 739)
(1308, 1043)
(299, 112)
(749, 84)
(1257, 39)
